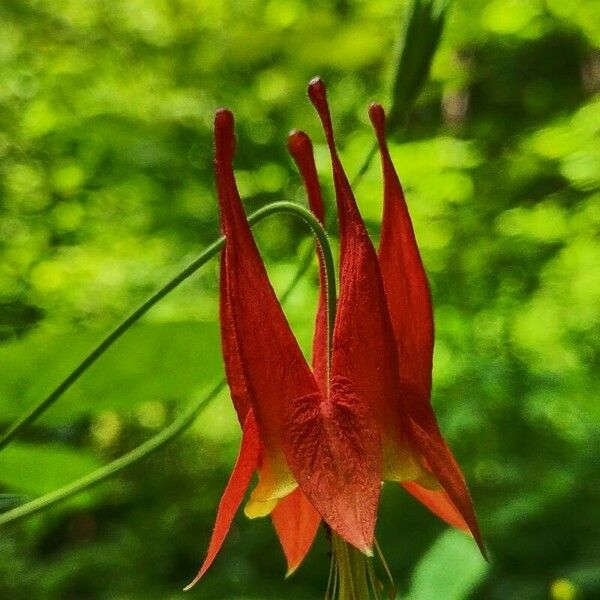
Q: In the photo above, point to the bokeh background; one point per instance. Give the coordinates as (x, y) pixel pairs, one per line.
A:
(106, 190)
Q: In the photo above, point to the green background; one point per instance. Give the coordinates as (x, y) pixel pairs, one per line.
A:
(106, 190)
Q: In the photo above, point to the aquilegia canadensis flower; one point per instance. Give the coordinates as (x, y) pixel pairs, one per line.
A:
(323, 439)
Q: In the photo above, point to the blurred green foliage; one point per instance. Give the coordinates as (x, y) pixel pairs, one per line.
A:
(106, 188)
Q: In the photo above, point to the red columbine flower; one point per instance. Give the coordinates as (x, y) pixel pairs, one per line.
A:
(322, 440)
(384, 329)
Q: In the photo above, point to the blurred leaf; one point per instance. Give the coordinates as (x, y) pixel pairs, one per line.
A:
(8, 501)
(153, 362)
(450, 569)
(35, 469)
(422, 30)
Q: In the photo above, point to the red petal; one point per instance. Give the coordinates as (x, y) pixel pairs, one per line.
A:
(300, 148)
(231, 354)
(234, 493)
(334, 451)
(364, 348)
(410, 308)
(296, 523)
(448, 473)
(268, 359)
(439, 503)
(403, 274)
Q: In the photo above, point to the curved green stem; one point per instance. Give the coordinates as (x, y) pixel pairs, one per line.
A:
(107, 342)
(182, 422)
(321, 235)
(306, 259)
(135, 316)
(179, 425)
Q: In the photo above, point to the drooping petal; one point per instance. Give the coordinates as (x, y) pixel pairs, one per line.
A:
(439, 503)
(269, 360)
(279, 382)
(300, 148)
(335, 454)
(405, 282)
(409, 301)
(231, 354)
(448, 473)
(296, 523)
(234, 492)
(364, 349)
(404, 277)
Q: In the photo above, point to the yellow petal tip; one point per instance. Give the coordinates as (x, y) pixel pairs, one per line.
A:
(291, 571)
(255, 509)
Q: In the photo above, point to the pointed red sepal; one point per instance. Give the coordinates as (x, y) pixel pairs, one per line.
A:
(234, 493)
(300, 147)
(448, 473)
(439, 503)
(225, 150)
(403, 274)
(263, 362)
(333, 448)
(364, 348)
(410, 307)
(296, 523)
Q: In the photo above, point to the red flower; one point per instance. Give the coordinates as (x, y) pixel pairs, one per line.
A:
(323, 440)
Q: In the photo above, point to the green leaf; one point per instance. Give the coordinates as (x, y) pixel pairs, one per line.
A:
(420, 38)
(35, 469)
(450, 569)
(154, 362)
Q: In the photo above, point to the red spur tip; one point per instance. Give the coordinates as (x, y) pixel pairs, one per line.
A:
(225, 133)
(317, 89)
(299, 145)
(377, 117)
(301, 149)
(317, 93)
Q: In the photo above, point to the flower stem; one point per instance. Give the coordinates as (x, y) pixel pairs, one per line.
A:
(189, 415)
(352, 574)
(135, 316)
(150, 446)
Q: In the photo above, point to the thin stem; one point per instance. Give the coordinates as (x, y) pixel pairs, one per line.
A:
(135, 316)
(186, 418)
(386, 568)
(138, 453)
(330, 590)
(107, 342)
(306, 259)
(355, 577)
(327, 254)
